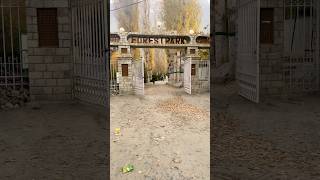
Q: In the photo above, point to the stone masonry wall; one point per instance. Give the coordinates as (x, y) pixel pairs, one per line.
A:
(50, 69)
(125, 82)
(271, 61)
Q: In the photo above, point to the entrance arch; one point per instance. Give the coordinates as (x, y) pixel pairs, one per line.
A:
(130, 74)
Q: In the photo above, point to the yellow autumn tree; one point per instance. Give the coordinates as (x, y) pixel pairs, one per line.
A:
(181, 15)
(128, 18)
(151, 59)
(114, 63)
(191, 16)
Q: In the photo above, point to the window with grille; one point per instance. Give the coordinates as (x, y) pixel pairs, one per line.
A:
(193, 70)
(124, 68)
(266, 26)
(47, 27)
(203, 71)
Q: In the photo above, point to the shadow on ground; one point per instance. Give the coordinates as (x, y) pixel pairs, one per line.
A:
(276, 139)
(56, 141)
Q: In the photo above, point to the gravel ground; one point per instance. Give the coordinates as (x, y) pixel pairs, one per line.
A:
(276, 139)
(164, 134)
(53, 141)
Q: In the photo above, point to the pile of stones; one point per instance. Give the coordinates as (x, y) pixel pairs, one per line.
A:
(11, 98)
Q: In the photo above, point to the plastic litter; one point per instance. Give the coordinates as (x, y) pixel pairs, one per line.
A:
(127, 168)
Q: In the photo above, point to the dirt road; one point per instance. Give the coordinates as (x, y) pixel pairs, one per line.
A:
(57, 141)
(164, 134)
(275, 139)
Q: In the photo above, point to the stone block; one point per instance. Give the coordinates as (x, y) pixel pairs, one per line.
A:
(44, 51)
(65, 43)
(59, 90)
(47, 75)
(65, 36)
(40, 67)
(58, 59)
(67, 59)
(63, 51)
(56, 3)
(63, 20)
(66, 28)
(31, 11)
(64, 82)
(48, 90)
(48, 59)
(30, 36)
(33, 43)
(63, 12)
(58, 75)
(35, 75)
(58, 67)
(36, 90)
(51, 82)
(39, 82)
(31, 28)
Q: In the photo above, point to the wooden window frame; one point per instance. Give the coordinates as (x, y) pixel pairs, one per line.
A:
(47, 20)
(124, 50)
(125, 70)
(193, 69)
(267, 26)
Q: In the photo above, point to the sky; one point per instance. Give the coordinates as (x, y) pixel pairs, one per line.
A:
(204, 4)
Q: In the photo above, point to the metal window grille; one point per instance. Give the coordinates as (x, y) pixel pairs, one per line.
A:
(301, 45)
(204, 72)
(13, 45)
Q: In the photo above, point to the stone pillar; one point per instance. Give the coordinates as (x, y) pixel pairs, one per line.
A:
(197, 85)
(50, 69)
(125, 81)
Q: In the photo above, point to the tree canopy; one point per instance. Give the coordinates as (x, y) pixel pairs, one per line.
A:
(181, 15)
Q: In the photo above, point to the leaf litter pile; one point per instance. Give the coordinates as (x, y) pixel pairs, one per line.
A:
(180, 107)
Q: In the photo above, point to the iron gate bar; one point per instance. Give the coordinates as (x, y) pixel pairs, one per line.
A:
(12, 55)
(90, 59)
(11, 69)
(4, 48)
(303, 55)
(187, 75)
(248, 49)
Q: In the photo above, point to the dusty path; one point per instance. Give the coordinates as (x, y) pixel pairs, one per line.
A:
(57, 141)
(164, 134)
(275, 139)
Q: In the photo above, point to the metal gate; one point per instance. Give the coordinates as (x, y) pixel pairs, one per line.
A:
(91, 60)
(187, 75)
(247, 71)
(204, 75)
(13, 45)
(138, 77)
(301, 45)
